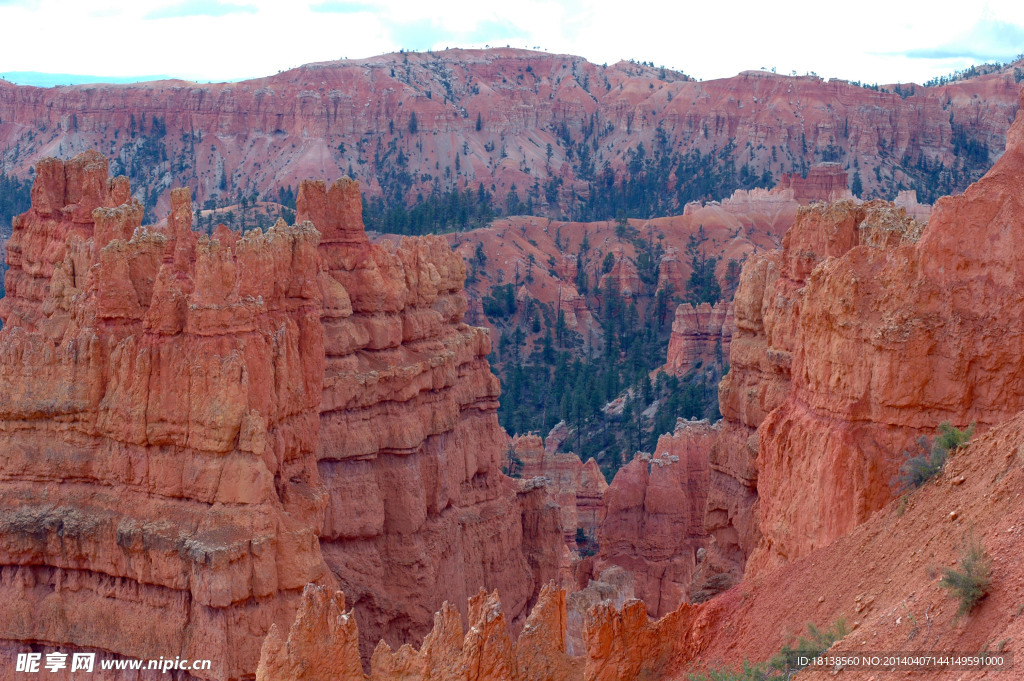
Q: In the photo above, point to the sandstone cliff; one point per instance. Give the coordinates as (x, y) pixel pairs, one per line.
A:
(700, 336)
(768, 307)
(200, 427)
(653, 523)
(578, 488)
(824, 182)
(410, 448)
(158, 420)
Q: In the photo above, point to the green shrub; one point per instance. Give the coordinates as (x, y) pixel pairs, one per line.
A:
(787, 662)
(971, 582)
(930, 458)
(815, 643)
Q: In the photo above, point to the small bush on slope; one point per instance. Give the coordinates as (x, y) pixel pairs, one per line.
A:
(971, 582)
(922, 467)
(786, 662)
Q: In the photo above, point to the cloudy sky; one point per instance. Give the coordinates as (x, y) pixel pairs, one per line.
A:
(869, 40)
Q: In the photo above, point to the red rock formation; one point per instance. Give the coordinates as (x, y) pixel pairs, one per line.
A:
(211, 424)
(621, 644)
(870, 369)
(654, 516)
(891, 339)
(907, 200)
(321, 645)
(699, 336)
(622, 276)
(824, 182)
(578, 488)
(767, 308)
(159, 417)
(309, 122)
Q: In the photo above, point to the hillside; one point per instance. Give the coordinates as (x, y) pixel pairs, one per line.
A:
(482, 132)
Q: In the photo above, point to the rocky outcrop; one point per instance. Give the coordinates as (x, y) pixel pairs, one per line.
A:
(864, 333)
(158, 420)
(202, 426)
(622, 276)
(621, 644)
(824, 182)
(892, 338)
(653, 525)
(321, 645)
(907, 200)
(700, 336)
(466, 118)
(578, 488)
(767, 308)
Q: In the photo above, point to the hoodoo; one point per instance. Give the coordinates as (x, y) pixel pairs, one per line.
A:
(195, 427)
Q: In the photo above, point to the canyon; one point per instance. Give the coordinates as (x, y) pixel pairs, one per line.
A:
(280, 449)
(865, 331)
(193, 429)
(554, 127)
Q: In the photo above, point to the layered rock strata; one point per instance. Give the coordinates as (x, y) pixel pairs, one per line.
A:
(700, 336)
(653, 525)
(410, 449)
(824, 182)
(496, 111)
(158, 421)
(201, 426)
(578, 488)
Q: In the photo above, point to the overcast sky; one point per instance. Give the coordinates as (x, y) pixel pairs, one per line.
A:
(869, 40)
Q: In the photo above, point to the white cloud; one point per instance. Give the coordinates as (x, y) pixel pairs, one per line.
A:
(875, 40)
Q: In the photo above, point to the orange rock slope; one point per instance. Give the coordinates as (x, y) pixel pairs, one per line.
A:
(193, 429)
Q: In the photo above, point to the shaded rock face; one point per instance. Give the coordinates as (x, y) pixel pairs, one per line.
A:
(158, 420)
(200, 427)
(700, 336)
(653, 525)
(578, 488)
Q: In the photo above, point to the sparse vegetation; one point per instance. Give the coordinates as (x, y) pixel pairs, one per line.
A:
(928, 459)
(786, 662)
(972, 581)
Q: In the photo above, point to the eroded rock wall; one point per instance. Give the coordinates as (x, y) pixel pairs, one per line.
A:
(894, 337)
(158, 419)
(410, 448)
(192, 429)
(700, 336)
(653, 525)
